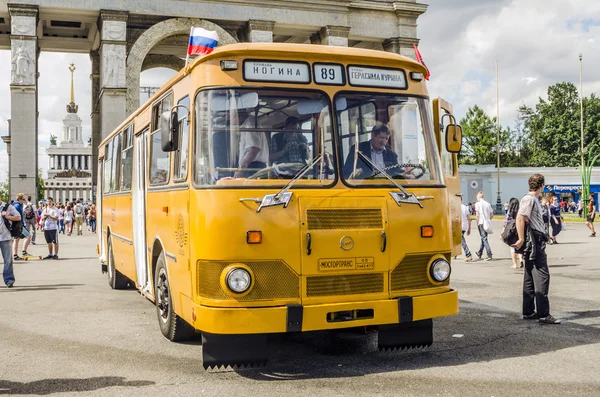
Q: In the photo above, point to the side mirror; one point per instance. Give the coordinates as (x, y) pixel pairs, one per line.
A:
(453, 138)
(169, 131)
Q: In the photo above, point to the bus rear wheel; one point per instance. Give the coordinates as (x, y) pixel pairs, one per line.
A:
(115, 279)
(173, 327)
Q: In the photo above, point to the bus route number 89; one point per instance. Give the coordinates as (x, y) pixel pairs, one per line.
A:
(329, 74)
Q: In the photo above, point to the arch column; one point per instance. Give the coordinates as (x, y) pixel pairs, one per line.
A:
(112, 70)
(257, 31)
(331, 35)
(149, 39)
(23, 96)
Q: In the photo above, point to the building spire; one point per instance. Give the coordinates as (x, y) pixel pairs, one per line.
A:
(72, 107)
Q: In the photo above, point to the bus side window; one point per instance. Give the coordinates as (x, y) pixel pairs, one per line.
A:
(116, 164)
(126, 158)
(180, 171)
(107, 166)
(160, 162)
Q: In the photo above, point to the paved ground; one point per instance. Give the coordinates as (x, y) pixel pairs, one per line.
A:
(64, 332)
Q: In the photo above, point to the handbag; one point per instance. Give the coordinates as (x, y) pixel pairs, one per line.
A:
(487, 226)
(563, 226)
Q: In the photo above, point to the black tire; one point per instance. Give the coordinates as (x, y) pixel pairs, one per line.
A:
(115, 279)
(173, 327)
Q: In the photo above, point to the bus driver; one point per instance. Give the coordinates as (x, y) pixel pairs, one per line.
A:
(377, 150)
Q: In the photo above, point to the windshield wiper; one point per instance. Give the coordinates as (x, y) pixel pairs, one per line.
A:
(283, 197)
(404, 196)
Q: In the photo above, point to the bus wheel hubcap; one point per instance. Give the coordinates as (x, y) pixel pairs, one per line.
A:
(162, 296)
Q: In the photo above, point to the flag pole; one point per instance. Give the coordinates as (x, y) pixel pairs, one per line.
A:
(187, 56)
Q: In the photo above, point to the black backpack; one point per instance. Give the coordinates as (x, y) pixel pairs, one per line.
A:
(15, 227)
(29, 213)
(510, 235)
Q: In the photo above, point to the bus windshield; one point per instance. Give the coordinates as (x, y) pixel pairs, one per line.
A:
(245, 136)
(394, 137)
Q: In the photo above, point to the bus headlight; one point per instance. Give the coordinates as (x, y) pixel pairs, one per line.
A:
(238, 280)
(440, 270)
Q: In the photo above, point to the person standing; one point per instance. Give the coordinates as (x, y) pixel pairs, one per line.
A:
(532, 242)
(61, 219)
(30, 212)
(466, 228)
(484, 214)
(8, 214)
(92, 216)
(506, 208)
(69, 220)
(50, 219)
(19, 205)
(580, 208)
(591, 215)
(555, 218)
(79, 217)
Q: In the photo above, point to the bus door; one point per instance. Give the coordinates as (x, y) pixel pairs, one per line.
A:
(442, 117)
(139, 213)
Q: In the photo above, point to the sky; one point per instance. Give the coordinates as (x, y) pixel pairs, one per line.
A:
(536, 43)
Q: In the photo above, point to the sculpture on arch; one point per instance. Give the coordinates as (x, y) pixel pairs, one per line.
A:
(23, 65)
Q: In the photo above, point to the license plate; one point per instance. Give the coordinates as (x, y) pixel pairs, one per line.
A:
(341, 264)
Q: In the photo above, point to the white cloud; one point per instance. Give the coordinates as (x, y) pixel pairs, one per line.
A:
(536, 44)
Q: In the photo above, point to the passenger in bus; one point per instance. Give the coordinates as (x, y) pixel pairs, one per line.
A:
(289, 147)
(378, 150)
(254, 147)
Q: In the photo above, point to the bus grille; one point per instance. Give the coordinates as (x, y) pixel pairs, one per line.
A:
(411, 273)
(344, 218)
(272, 280)
(344, 285)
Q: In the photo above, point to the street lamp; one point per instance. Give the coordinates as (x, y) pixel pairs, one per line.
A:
(498, 198)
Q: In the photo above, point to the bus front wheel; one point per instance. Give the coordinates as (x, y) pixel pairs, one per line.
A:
(115, 279)
(173, 327)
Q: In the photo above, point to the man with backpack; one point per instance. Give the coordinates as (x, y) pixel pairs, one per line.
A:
(79, 217)
(30, 212)
(533, 236)
(19, 205)
(9, 216)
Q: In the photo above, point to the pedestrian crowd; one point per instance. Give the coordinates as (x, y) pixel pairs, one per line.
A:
(21, 219)
(530, 223)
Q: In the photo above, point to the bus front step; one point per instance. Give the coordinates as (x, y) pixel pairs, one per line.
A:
(236, 351)
(414, 334)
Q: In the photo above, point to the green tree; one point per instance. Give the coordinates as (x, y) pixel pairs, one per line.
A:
(4, 191)
(554, 127)
(41, 186)
(480, 138)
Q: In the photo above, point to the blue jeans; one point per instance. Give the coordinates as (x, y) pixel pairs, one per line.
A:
(93, 225)
(6, 248)
(61, 226)
(484, 242)
(465, 247)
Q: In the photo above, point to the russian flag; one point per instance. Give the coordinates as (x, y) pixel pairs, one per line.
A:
(202, 41)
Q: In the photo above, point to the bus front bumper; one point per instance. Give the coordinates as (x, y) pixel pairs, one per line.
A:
(295, 318)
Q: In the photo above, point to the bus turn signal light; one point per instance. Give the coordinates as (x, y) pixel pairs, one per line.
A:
(427, 231)
(254, 237)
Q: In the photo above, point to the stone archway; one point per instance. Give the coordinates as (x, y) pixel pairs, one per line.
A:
(163, 61)
(153, 36)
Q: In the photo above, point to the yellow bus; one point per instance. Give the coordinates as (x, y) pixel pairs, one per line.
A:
(275, 188)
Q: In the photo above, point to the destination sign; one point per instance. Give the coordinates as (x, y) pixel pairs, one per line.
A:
(376, 77)
(277, 72)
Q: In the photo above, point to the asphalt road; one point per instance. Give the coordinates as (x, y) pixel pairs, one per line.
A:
(63, 331)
